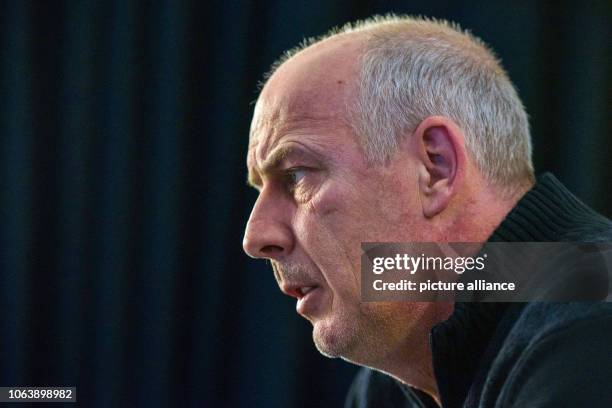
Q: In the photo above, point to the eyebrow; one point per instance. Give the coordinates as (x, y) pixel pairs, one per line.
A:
(272, 163)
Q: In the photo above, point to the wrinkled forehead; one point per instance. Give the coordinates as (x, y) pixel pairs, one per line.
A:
(313, 89)
(274, 115)
(279, 122)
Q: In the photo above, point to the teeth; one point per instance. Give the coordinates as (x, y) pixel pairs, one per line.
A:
(305, 289)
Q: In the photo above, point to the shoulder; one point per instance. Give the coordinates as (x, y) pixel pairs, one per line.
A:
(561, 355)
(541, 319)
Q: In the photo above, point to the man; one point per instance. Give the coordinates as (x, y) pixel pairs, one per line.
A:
(408, 130)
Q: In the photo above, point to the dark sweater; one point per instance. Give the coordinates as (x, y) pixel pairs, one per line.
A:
(517, 354)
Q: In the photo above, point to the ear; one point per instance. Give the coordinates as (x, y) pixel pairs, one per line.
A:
(441, 154)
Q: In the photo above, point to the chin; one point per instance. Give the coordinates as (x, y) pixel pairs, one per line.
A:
(367, 336)
(339, 336)
(333, 339)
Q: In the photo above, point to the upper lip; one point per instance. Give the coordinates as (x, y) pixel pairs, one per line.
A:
(297, 290)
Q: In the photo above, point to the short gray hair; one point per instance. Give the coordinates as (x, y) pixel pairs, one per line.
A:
(413, 68)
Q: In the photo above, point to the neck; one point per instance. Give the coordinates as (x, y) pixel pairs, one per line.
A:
(477, 213)
(480, 215)
(411, 362)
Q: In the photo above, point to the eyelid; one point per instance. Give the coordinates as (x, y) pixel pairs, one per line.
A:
(292, 170)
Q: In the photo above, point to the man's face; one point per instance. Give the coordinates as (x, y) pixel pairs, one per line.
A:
(319, 199)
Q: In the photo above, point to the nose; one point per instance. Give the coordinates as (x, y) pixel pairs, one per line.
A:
(267, 233)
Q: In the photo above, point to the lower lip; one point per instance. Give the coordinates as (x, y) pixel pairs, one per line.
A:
(308, 303)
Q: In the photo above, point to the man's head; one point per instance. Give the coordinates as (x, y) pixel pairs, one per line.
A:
(390, 130)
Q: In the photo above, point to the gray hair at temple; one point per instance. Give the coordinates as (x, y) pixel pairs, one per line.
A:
(412, 68)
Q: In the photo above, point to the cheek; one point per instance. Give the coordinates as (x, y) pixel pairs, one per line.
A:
(344, 215)
(327, 234)
(389, 209)
(332, 216)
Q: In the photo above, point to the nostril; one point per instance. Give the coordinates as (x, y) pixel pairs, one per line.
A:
(271, 250)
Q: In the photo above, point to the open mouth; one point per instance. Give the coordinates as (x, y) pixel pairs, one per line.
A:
(304, 290)
(309, 300)
(298, 290)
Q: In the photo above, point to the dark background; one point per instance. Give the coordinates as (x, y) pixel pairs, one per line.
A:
(123, 131)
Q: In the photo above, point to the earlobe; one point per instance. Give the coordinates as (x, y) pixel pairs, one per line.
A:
(441, 155)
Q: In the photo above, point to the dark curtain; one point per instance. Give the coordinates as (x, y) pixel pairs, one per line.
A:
(123, 131)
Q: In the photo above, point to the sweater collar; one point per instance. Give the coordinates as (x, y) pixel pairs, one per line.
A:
(459, 345)
(544, 214)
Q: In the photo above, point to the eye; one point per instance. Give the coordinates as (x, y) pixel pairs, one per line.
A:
(294, 176)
